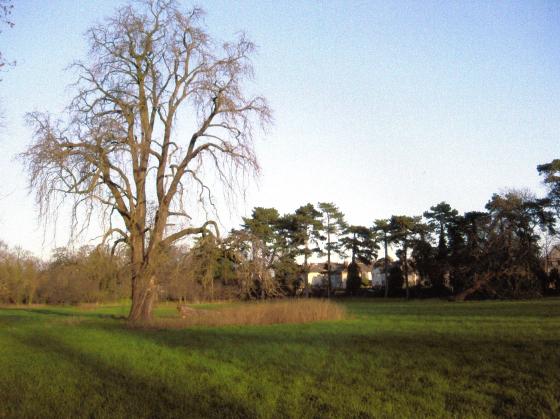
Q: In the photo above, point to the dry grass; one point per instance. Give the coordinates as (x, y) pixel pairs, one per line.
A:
(259, 313)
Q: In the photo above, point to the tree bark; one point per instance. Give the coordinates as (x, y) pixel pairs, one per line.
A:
(386, 263)
(144, 282)
(479, 282)
(405, 249)
(329, 265)
(306, 272)
(143, 299)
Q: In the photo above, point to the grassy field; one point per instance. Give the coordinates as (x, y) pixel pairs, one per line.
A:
(389, 359)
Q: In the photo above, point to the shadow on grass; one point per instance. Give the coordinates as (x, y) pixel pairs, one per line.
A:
(488, 361)
(541, 308)
(110, 391)
(86, 314)
(507, 372)
(354, 337)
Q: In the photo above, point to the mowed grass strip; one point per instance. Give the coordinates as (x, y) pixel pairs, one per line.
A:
(386, 359)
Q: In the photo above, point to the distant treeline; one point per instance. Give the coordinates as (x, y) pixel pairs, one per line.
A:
(507, 251)
(503, 252)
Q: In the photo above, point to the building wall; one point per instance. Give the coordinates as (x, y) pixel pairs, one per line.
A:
(553, 260)
(338, 279)
(317, 279)
(379, 278)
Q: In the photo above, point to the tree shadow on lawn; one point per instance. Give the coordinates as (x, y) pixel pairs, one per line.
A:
(355, 337)
(74, 314)
(495, 366)
(531, 309)
(13, 319)
(110, 391)
(323, 352)
(471, 365)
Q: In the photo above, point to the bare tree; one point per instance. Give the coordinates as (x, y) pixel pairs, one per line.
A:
(6, 7)
(119, 148)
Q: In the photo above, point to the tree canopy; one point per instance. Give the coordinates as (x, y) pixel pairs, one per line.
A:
(118, 151)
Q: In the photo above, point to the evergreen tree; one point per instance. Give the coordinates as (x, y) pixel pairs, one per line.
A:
(440, 217)
(551, 173)
(383, 228)
(307, 226)
(403, 231)
(361, 242)
(332, 226)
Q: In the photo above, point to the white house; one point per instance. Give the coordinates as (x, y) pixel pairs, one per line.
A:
(318, 274)
(378, 274)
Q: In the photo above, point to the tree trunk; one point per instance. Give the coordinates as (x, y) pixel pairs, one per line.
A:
(386, 263)
(329, 274)
(143, 298)
(143, 285)
(328, 265)
(306, 272)
(139, 295)
(479, 282)
(406, 272)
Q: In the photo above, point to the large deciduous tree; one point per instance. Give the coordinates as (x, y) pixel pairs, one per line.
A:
(120, 148)
(6, 7)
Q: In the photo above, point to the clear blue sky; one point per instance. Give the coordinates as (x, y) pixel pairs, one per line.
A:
(381, 107)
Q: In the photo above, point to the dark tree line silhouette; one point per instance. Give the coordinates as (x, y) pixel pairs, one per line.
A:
(498, 253)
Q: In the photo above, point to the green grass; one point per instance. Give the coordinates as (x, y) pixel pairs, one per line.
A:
(390, 359)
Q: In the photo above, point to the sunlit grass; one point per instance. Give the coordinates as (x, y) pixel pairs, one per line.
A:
(386, 359)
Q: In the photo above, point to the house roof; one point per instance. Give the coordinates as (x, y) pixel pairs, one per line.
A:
(323, 268)
(554, 252)
(335, 267)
